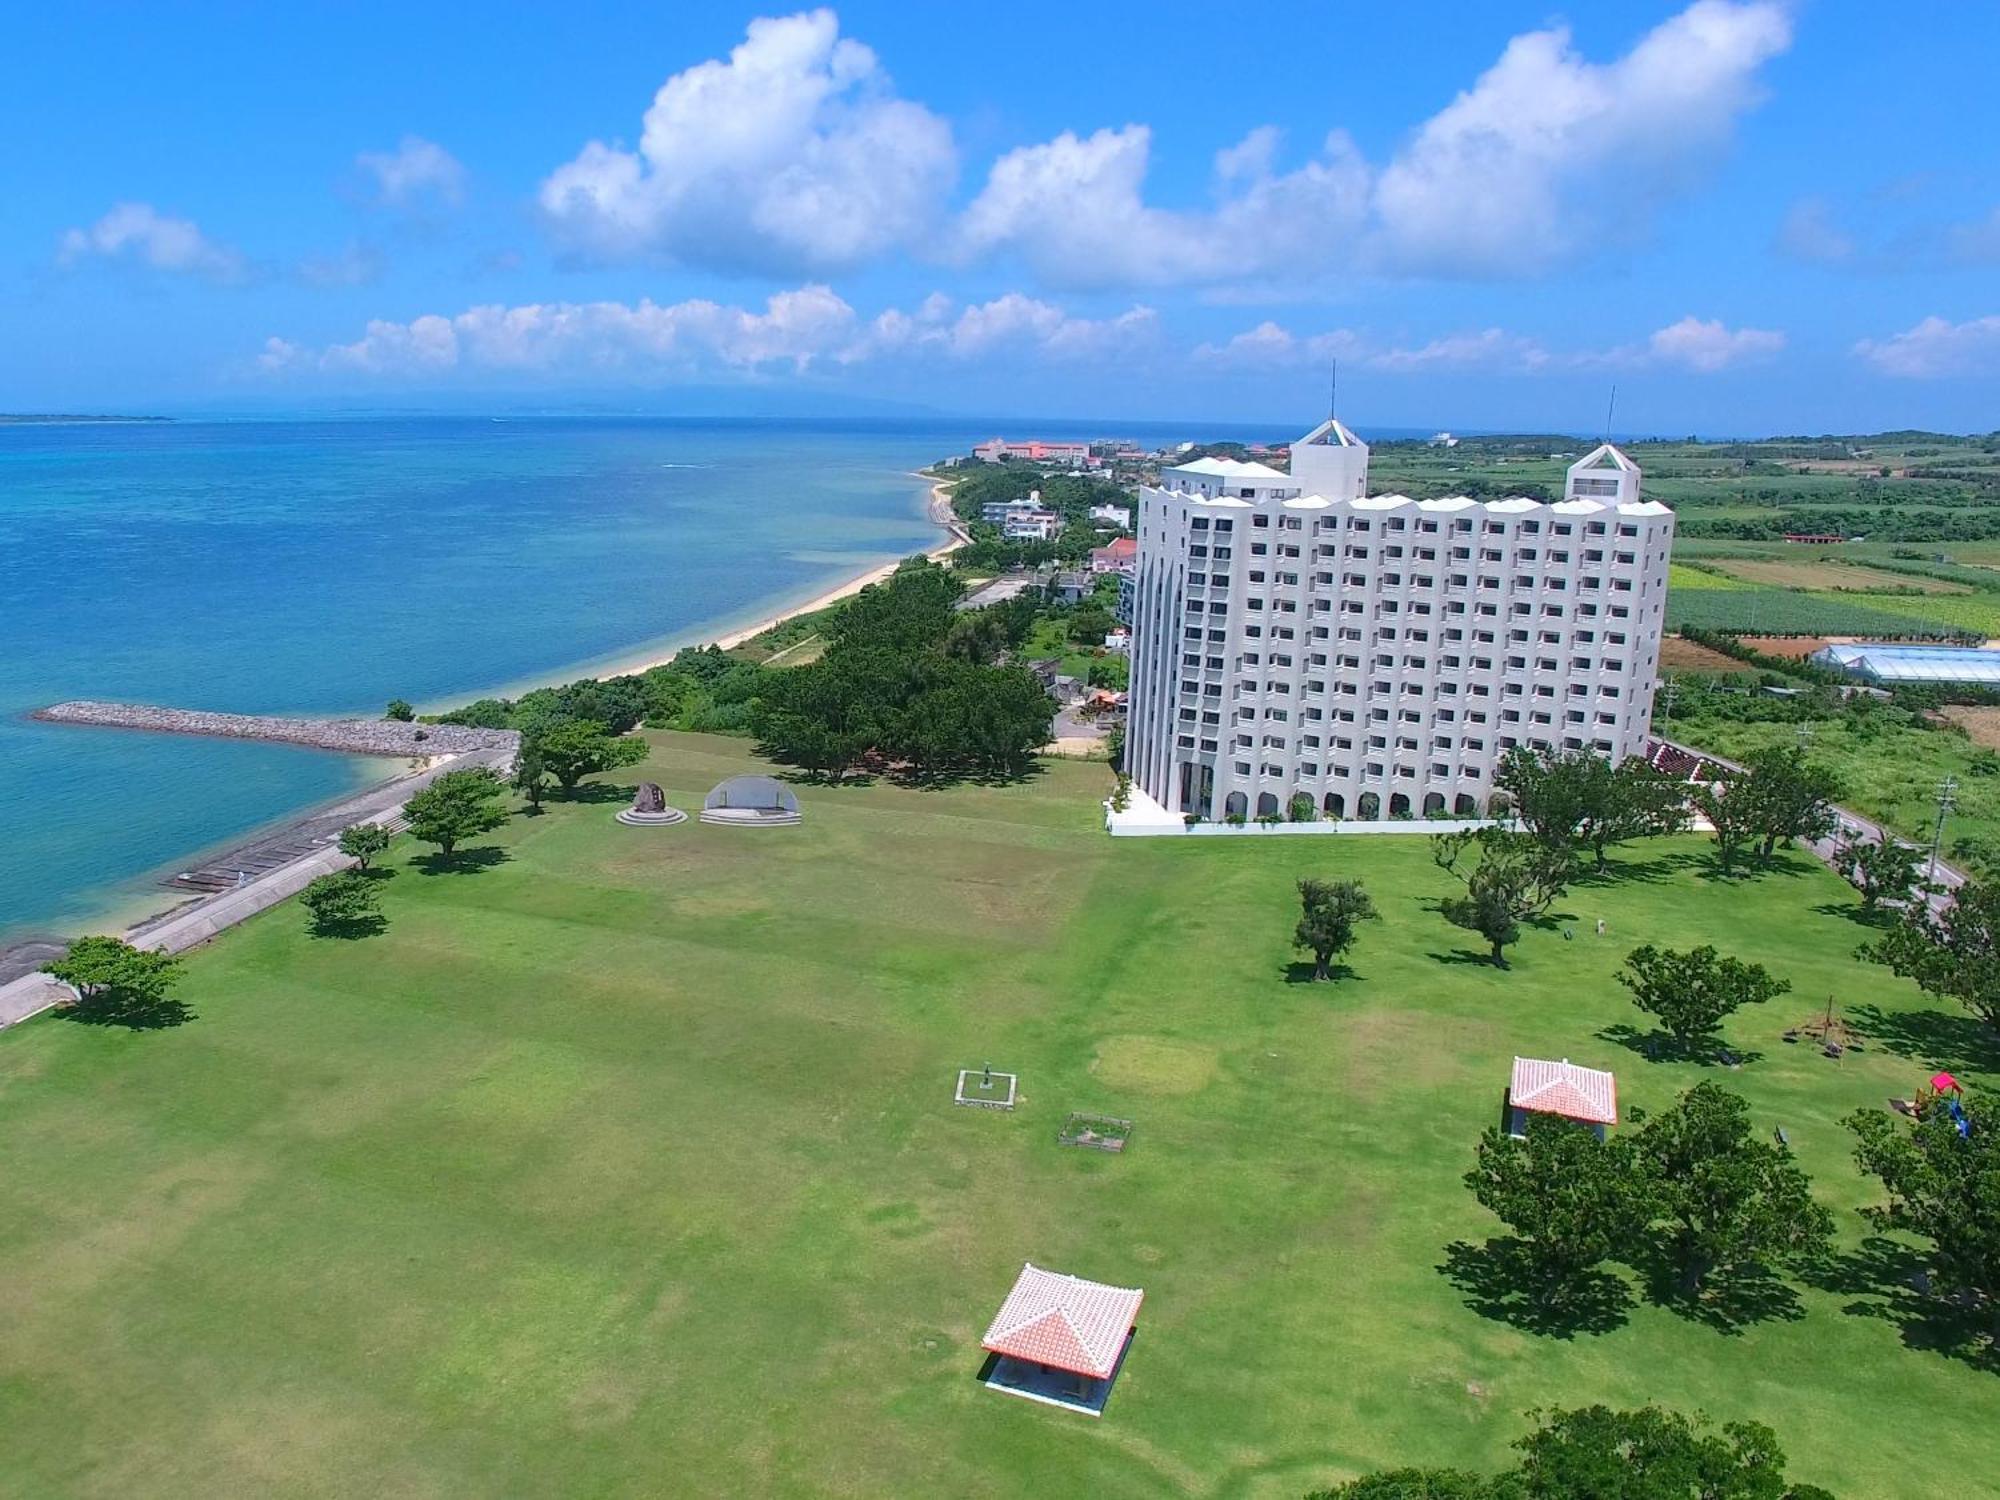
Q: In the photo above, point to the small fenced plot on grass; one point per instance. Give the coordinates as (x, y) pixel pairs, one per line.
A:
(985, 1089)
(1097, 1132)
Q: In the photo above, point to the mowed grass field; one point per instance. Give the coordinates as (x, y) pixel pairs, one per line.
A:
(627, 1166)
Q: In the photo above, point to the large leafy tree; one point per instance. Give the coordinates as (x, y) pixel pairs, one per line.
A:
(1690, 993)
(1330, 915)
(1879, 868)
(1731, 1201)
(1779, 795)
(1570, 1197)
(1595, 1453)
(108, 968)
(1572, 801)
(342, 904)
(1955, 952)
(458, 805)
(1508, 877)
(362, 842)
(1944, 1187)
(571, 749)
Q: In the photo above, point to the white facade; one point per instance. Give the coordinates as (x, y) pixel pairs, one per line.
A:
(1293, 635)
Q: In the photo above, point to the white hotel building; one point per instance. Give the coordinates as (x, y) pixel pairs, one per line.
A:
(1294, 634)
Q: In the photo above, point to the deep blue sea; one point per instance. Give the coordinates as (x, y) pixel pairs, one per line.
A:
(329, 565)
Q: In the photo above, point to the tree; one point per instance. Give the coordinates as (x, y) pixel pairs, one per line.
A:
(110, 968)
(1954, 953)
(1690, 993)
(1732, 1202)
(362, 842)
(118, 984)
(1569, 801)
(1331, 912)
(343, 903)
(1412, 1484)
(827, 715)
(1779, 797)
(1879, 868)
(1515, 877)
(1568, 1195)
(1732, 818)
(458, 805)
(1944, 1187)
(571, 749)
(531, 773)
(399, 710)
(1594, 1453)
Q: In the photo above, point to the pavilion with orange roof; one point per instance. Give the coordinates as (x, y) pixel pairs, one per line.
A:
(1585, 1095)
(1061, 1339)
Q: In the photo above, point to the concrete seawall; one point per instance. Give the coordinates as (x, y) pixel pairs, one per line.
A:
(449, 746)
(355, 736)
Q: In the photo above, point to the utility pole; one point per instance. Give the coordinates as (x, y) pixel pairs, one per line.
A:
(1804, 735)
(1946, 801)
(1670, 690)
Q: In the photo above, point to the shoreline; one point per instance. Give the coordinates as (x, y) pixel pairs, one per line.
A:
(126, 907)
(937, 510)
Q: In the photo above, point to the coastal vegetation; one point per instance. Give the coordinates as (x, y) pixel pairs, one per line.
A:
(1595, 1453)
(342, 904)
(362, 842)
(597, 1146)
(456, 806)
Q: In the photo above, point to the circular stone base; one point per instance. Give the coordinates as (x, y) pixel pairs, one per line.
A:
(665, 819)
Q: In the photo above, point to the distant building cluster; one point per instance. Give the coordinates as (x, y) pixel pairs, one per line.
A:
(1036, 451)
(1295, 636)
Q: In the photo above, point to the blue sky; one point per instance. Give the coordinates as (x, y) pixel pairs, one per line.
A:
(1749, 215)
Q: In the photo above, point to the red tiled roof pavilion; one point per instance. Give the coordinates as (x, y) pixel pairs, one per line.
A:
(1562, 1088)
(1064, 1322)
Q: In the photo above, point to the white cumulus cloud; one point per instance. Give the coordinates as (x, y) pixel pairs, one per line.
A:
(1692, 344)
(418, 172)
(1546, 159)
(1707, 346)
(793, 329)
(793, 155)
(140, 234)
(1936, 348)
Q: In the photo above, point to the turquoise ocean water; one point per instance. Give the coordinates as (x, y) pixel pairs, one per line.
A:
(327, 566)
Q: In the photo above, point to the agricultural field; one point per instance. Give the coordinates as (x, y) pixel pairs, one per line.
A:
(1828, 573)
(624, 1163)
(1791, 612)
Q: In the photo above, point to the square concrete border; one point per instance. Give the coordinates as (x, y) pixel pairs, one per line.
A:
(971, 1076)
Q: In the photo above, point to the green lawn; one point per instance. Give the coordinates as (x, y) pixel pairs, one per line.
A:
(627, 1166)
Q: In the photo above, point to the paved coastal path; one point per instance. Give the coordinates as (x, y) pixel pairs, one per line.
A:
(255, 876)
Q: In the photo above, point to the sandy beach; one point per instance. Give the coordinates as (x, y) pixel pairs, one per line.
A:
(940, 515)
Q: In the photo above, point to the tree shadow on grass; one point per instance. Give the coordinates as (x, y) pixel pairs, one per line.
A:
(1878, 920)
(1656, 1045)
(461, 861)
(1464, 956)
(1886, 1279)
(373, 925)
(133, 1012)
(1652, 871)
(1936, 1038)
(1301, 972)
(594, 793)
(1500, 1280)
(1729, 1301)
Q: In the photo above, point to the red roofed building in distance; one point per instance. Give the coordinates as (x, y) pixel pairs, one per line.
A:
(1118, 557)
(1056, 1322)
(1034, 451)
(1586, 1095)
